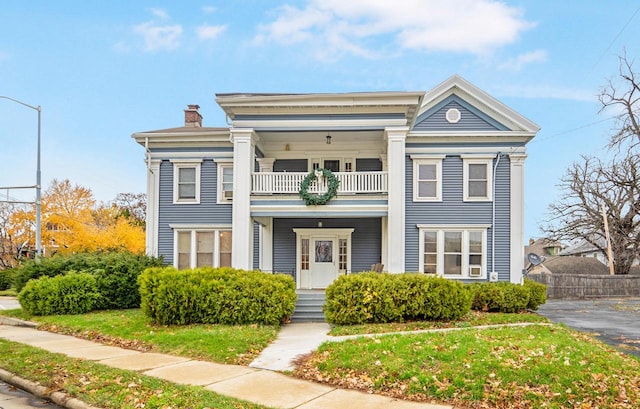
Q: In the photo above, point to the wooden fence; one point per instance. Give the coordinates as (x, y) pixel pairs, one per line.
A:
(580, 286)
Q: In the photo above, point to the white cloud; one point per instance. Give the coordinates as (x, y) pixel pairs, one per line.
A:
(208, 9)
(465, 26)
(517, 63)
(160, 13)
(207, 32)
(158, 37)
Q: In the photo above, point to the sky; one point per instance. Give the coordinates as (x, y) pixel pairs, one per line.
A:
(102, 70)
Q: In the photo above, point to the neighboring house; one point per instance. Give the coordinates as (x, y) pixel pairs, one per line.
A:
(542, 247)
(583, 248)
(570, 265)
(428, 182)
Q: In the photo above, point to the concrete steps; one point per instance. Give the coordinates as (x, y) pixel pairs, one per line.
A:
(309, 307)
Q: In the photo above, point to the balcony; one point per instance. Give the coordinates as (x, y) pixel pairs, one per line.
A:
(267, 183)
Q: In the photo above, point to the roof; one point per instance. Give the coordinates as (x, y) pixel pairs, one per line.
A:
(582, 247)
(575, 265)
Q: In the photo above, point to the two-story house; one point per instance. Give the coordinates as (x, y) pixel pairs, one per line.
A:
(424, 182)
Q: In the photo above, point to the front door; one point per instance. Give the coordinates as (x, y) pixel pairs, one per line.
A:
(322, 255)
(323, 263)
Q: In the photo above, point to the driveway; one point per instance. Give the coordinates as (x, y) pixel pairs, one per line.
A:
(8, 303)
(614, 321)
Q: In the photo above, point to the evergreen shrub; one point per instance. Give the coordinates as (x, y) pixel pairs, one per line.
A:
(381, 298)
(73, 293)
(216, 296)
(508, 297)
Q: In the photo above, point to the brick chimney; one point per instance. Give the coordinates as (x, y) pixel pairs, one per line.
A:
(192, 117)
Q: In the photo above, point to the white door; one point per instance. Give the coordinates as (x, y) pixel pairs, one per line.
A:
(323, 261)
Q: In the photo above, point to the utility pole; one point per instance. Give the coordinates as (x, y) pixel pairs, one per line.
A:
(606, 234)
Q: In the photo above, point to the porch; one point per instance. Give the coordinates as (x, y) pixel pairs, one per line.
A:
(288, 183)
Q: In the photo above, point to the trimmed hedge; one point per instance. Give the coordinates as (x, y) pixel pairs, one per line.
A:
(508, 297)
(74, 293)
(116, 274)
(216, 296)
(381, 298)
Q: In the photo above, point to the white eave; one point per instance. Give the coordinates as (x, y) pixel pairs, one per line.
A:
(405, 103)
(181, 136)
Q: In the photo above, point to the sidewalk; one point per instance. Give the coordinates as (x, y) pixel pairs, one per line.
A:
(248, 383)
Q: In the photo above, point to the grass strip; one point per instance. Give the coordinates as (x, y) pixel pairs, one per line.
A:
(107, 387)
(228, 344)
(523, 367)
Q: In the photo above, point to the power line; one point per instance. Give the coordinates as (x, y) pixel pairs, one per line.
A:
(616, 38)
(571, 130)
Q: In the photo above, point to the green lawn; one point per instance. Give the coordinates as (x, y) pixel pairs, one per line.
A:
(237, 344)
(530, 367)
(107, 387)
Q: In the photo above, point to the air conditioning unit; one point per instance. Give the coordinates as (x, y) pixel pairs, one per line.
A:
(475, 271)
(227, 194)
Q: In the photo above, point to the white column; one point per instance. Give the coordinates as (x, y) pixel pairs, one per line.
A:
(153, 202)
(266, 164)
(243, 162)
(266, 245)
(517, 216)
(395, 221)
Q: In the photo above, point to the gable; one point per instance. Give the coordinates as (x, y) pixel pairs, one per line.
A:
(471, 118)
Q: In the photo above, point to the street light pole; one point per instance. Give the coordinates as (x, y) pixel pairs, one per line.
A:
(38, 177)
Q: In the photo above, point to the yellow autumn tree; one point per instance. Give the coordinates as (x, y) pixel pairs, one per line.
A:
(72, 222)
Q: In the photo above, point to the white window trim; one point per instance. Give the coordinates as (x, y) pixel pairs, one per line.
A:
(185, 164)
(220, 193)
(193, 230)
(427, 160)
(465, 229)
(477, 160)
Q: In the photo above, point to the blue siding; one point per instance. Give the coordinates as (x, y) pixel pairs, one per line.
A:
(471, 119)
(207, 211)
(452, 210)
(256, 246)
(366, 241)
(290, 165)
(368, 165)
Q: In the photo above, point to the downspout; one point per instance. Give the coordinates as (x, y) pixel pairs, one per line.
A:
(493, 215)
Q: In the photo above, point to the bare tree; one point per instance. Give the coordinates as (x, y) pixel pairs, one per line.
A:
(578, 213)
(622, 95)
(132, 206)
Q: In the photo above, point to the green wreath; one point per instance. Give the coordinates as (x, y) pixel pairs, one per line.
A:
(332, 190)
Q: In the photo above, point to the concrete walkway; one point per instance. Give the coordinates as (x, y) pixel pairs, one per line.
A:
(260, 386)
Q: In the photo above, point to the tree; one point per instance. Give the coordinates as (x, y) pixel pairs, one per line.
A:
(132, 206)
(623, 99)
(578, 213)
(72, 222)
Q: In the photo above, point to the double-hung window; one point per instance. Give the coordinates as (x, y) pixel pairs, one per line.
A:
(186, 181)
(225, 182)
(427, 178)
(453, 251)
(201, 247)
(478, 178)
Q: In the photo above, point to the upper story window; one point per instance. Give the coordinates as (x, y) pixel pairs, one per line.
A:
(478, 178)
(427, 178)
(225, 182)
(453, 251)
(186, 181)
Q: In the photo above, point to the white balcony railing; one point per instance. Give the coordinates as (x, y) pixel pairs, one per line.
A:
(289, 182)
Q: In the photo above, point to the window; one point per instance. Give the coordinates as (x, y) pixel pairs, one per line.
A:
(225, 183)
(454, 251)
(201, 247)
(478, 178)
(186, 181)
(427, 179)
